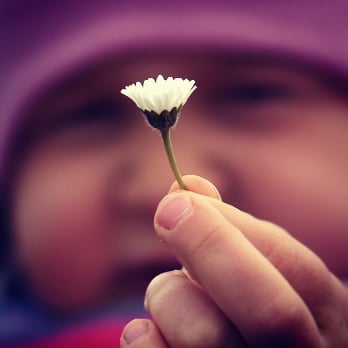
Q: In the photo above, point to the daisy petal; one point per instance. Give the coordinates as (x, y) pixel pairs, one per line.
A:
(160, 94)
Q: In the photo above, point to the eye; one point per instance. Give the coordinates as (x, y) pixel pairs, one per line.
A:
(254, 105)
(92, 114)
(255, 94)
(95, 112)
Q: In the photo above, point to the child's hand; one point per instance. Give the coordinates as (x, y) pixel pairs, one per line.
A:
(246, 282)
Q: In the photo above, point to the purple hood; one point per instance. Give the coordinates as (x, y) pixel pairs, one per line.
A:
(43, 41)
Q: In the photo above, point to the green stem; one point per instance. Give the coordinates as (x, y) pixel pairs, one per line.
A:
(169, 150)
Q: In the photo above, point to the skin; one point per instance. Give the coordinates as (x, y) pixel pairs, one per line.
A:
(280, 155)
(272, 301)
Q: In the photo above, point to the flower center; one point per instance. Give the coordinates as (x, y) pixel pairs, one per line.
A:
(164, 120)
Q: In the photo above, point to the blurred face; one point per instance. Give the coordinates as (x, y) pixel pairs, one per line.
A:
(271, 137)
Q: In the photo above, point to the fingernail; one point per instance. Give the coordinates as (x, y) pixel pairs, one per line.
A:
(134, 330)
(217, 193)
(154, 285)
(174, 209)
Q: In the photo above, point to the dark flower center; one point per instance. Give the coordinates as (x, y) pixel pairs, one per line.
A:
(164, 120)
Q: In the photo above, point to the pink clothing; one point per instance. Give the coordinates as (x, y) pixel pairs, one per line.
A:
(106, 334)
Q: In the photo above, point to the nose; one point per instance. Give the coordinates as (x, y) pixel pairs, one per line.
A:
(147, 175)
(144, 176)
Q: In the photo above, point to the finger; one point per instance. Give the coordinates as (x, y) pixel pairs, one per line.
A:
(239, 279)
(304, 270)
(198, 184)
(186, 316)
(142, 333)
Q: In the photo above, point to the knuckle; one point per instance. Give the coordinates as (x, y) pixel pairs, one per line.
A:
(203, 334)
(208, 241)
(300, 266)
(279, 322)
(279, 314)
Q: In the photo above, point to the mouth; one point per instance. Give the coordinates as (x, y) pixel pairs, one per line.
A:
(132, 281)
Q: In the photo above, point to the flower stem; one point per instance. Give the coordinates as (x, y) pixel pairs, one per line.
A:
(169, 150)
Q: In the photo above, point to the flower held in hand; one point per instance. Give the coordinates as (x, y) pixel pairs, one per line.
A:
(161, 100)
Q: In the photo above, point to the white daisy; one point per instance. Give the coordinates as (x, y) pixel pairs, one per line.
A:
(161, 94)
(161, 101)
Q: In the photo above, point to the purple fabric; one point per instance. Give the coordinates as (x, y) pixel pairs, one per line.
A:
(43, 41)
